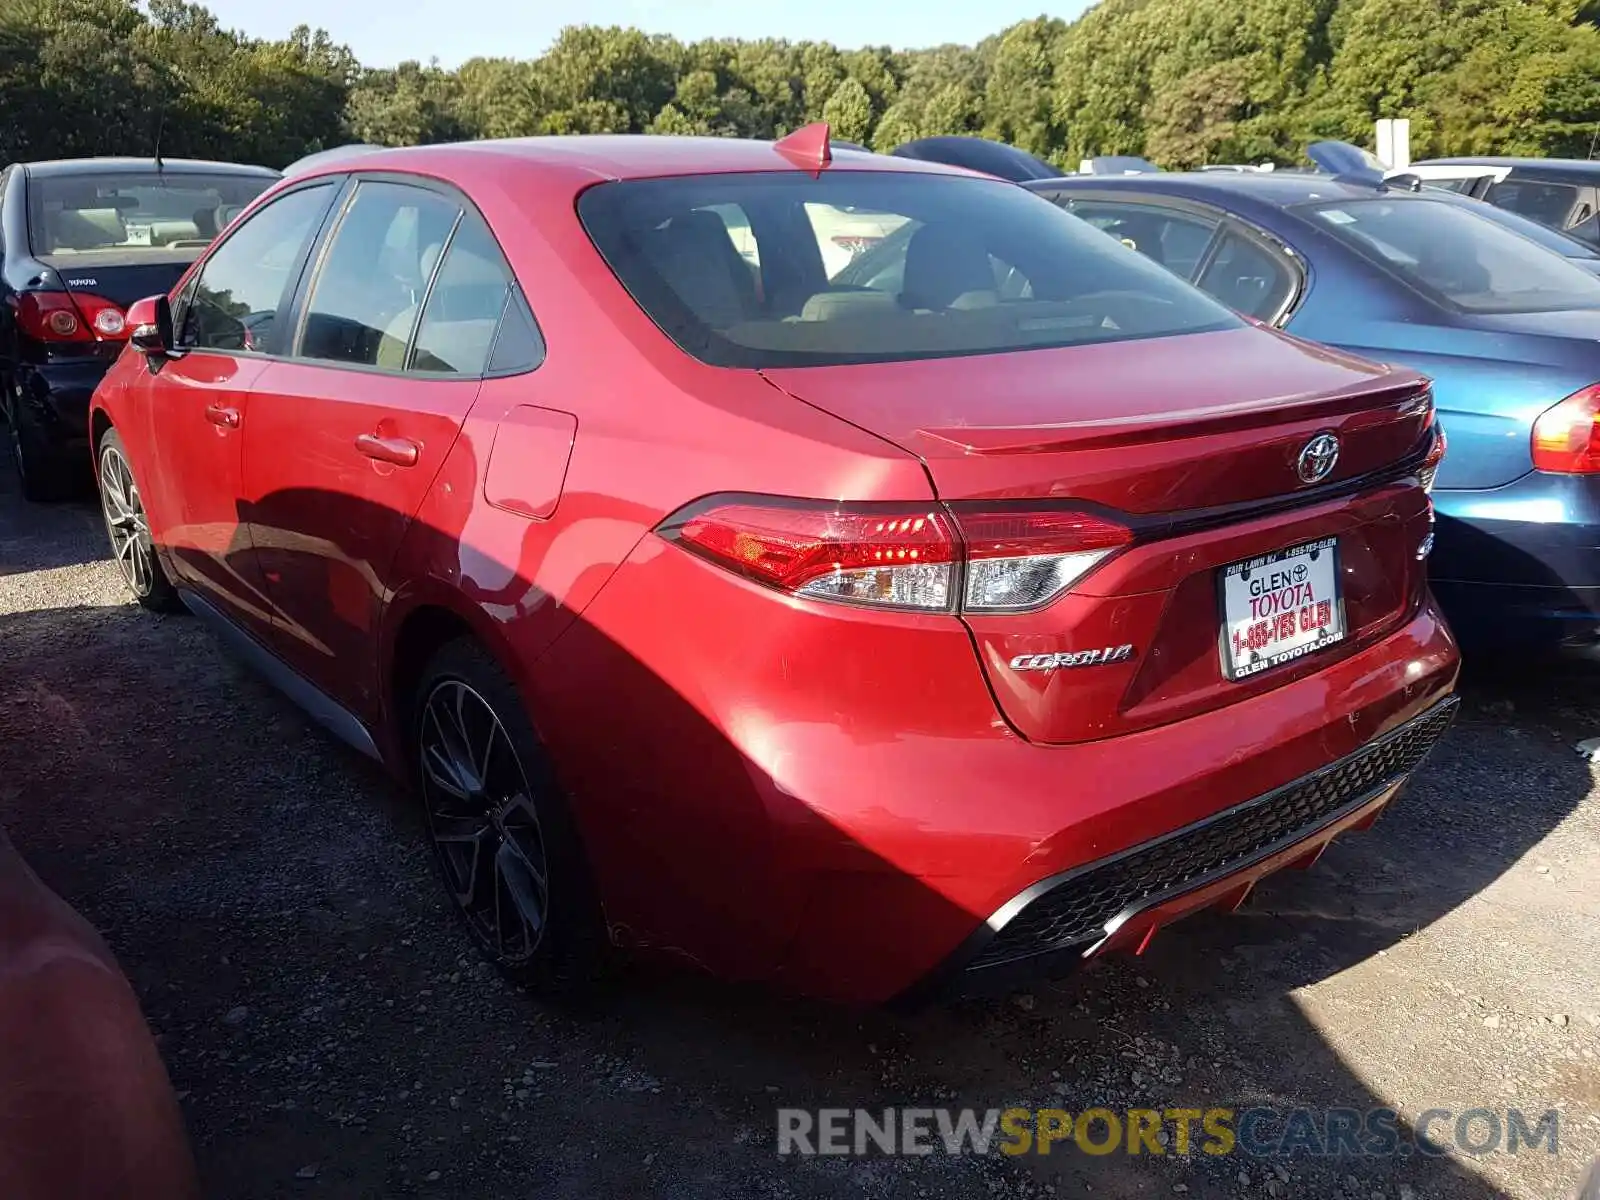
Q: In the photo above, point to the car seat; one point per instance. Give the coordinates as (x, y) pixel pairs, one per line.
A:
(696, 258)
(947, 268)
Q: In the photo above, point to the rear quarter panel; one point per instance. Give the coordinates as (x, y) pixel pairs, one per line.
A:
(1488, 388)
(654, 430)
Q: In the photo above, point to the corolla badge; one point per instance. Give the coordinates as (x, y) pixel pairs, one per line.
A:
(1080, 658)
(1317, 459)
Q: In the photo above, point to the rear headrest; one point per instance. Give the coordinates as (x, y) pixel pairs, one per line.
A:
(944, 262)
(430, 260)
(696, 258)
(88, 228)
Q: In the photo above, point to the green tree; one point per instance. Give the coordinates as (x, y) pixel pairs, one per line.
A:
(848, 112)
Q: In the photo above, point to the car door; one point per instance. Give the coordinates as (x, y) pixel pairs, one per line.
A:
(348, 431)
(195, 403)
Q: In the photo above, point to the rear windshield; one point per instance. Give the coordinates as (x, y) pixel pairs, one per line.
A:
(1550, 239)
(1452, 254)
(85, 214)
(772, 269)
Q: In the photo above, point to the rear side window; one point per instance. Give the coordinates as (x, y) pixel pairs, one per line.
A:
(234, 300)
(464, 305)
(1451, 254)
(375, 272)
(861, 266)
(1249, 278)
(1547, 203)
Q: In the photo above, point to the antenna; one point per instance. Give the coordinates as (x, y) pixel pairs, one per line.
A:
(807, 147)
(161, 127)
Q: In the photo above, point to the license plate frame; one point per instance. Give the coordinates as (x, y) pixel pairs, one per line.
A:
(1242, 663)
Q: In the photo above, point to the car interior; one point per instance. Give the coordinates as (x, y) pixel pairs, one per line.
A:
(925, 276)
(85, 224)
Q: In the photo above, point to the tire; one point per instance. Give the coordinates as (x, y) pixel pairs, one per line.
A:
(503, 838)
(42, 474)
(128, 529)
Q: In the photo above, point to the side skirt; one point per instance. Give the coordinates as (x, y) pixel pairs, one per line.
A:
(317, 704)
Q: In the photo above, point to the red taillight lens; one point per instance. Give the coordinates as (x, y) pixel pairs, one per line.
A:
(1430, 464)
(69, 317)
(901, 556)
(1021, 560)
(51, 317)
(1564, 438)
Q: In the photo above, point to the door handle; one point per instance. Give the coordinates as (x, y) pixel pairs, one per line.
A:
(219, 414)
(402, 452)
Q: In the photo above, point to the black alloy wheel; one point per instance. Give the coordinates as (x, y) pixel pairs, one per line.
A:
(502, 837)
(482, 820)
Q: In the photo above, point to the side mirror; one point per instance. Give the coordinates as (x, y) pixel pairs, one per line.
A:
(150, 326)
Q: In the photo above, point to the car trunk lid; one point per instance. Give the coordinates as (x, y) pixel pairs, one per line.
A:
(1197, 443)
(122, 276)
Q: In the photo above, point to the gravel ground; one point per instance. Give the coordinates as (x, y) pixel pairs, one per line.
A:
(330, 1036)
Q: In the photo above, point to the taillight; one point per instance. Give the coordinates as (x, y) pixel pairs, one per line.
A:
(69, 317)
(1430, 464)
(1020, 560)
(1564, 438)
(919, 556)
(900, 557)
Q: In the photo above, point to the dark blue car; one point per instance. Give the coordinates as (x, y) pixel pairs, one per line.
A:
(1508, 330)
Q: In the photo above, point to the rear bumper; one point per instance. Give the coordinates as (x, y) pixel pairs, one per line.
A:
(826, 798)
(1119, 903)
(56, 396)
(1519, 565)
(1210, 803)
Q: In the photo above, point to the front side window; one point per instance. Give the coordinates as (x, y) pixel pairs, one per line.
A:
(1176, 240)
(234, 300)
(368, 292)
(1451, 254)
(860, 266)
(133, 211)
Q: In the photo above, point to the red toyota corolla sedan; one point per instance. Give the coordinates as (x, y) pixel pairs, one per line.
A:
(870, 624)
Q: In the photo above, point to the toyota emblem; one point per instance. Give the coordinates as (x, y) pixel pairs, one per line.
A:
(1318, 458)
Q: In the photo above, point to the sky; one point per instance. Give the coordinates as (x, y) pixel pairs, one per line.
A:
(385, 32)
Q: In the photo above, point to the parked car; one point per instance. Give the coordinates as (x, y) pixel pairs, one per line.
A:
(978, 154)
(80, 240)
(1558, 192)
(1355, 165)
(78, 1065)
(859, 641)
(332, 154)
(1506, 330)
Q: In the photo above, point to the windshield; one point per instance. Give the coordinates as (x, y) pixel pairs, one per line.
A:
(760, 270)
(78, 214)
(1455, 255)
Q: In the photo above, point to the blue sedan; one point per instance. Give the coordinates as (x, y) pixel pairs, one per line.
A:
(1508, 330)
